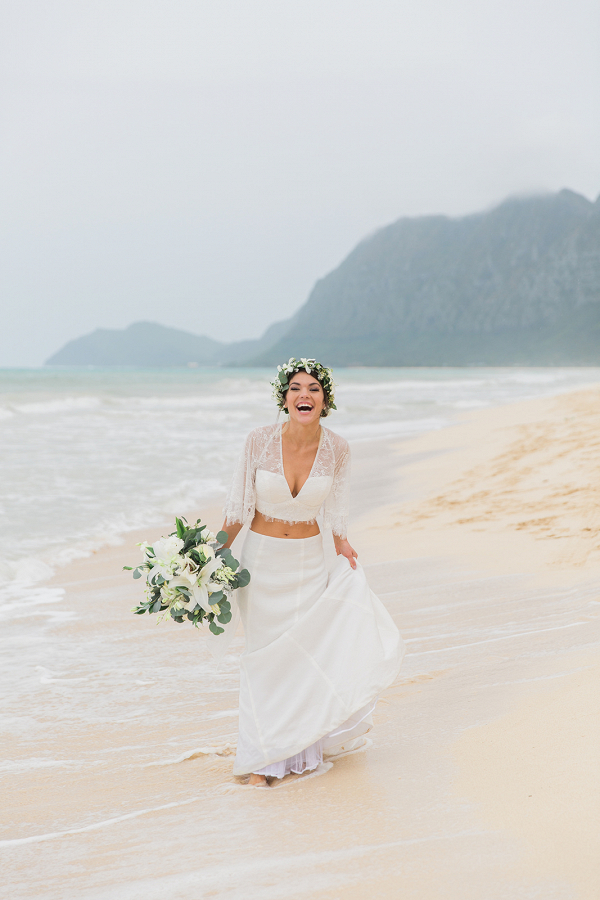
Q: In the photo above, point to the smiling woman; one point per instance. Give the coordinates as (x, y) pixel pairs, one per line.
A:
(319, 647)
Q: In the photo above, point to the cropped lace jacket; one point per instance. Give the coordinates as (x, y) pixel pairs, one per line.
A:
(259, 482)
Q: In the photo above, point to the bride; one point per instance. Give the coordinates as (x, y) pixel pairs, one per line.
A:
(319, 646)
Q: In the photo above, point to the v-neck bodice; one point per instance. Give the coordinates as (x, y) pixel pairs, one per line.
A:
(260, 483)
(274, 498)
(311, 468)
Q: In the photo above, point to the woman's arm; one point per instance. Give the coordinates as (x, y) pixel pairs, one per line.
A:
(343, 548)
(232, 532)
(335, 509)
(241, 498)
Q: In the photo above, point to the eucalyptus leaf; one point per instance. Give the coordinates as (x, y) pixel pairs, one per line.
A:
(242, 577)
(137, 573)
(222, 537)
(224, 618)
(215, 628)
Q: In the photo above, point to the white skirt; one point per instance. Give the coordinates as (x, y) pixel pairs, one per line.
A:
(318, 652)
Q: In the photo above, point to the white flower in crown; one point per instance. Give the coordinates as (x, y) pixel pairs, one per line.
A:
(311, 367)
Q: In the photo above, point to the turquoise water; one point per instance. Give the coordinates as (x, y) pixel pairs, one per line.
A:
(89, 454)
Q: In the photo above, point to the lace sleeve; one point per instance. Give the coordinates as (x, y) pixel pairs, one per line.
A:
(335, 508)
(241, 499)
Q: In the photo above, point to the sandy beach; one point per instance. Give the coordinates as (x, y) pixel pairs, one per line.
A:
(480, 779)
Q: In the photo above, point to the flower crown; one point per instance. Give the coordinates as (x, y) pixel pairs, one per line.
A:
(323, 375)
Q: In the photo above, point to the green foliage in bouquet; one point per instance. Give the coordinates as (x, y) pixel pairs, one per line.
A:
(190, 575)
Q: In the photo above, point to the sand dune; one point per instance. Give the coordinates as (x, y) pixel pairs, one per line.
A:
(505, 480)
(546, 481)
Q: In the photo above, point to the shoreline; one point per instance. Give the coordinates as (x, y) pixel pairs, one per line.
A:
(500, 613)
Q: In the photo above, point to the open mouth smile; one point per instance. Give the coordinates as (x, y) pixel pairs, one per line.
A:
(304, 407)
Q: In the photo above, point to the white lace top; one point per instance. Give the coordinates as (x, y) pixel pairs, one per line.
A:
(259, 482)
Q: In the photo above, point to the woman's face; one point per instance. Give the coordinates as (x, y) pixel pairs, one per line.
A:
(304, 399)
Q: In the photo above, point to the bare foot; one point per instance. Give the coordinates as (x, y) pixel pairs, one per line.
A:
(257, 780)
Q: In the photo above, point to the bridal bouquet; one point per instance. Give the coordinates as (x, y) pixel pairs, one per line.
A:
(190, 575)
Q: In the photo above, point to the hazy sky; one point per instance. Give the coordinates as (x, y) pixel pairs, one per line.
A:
(201, 163)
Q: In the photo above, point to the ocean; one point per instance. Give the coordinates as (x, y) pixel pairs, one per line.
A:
(89, 454)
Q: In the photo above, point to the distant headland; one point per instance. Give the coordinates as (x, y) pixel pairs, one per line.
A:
(515, 285)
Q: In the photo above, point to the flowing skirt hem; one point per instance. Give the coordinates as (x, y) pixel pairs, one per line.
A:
(312, 756)
(305, 761)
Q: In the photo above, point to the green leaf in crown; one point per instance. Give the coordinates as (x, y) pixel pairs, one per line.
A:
(190, 575)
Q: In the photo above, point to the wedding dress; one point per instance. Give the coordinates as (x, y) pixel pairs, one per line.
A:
(320, 646)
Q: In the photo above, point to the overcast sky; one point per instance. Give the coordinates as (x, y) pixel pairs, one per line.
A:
(200, 163)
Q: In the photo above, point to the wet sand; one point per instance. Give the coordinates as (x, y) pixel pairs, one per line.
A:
(480, 780)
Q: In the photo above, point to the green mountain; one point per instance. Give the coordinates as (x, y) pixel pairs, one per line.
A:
(148, 344)
(142, 344)
(516, 285)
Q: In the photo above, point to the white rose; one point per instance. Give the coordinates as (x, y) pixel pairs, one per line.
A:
(167, 558)
(208, 551)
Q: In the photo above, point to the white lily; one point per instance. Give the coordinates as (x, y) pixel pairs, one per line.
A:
(188, 573)
(198, 584)
(171, 594)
